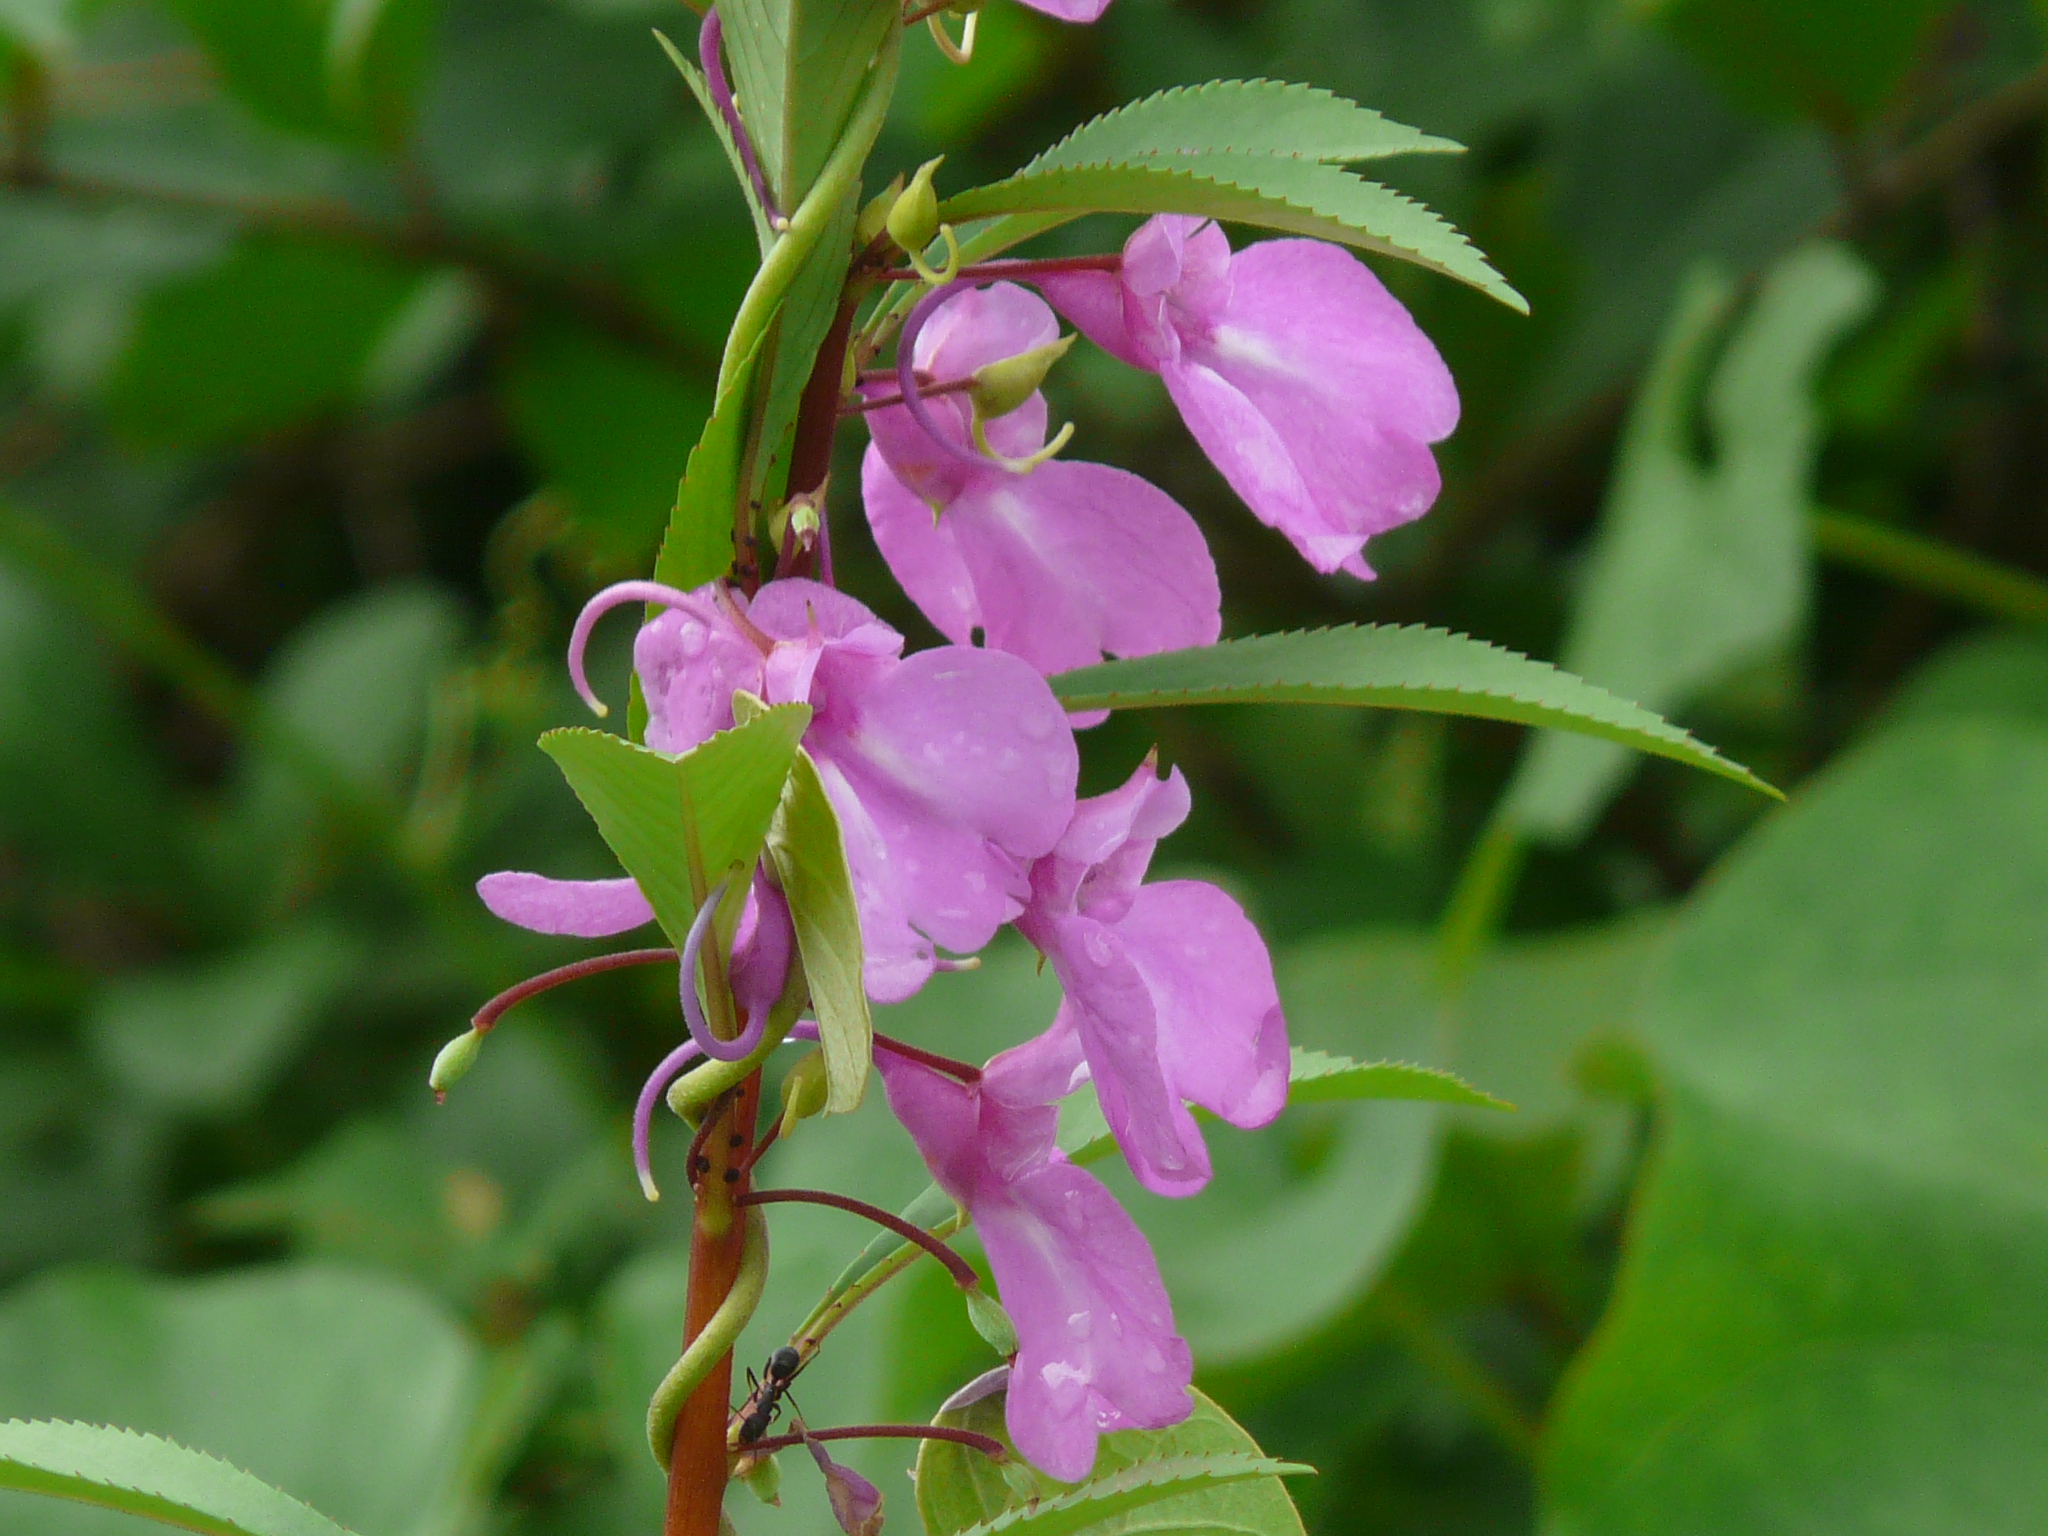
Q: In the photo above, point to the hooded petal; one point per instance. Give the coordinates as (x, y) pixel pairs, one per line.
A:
(1221, 1035)
(1094, 302)
(583, 909)
(1074, 560)
(761, 948)
(690, 658)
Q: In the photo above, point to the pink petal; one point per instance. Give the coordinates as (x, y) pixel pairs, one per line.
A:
(920, 548)
(1074, 560)
(1110, 1007)
(1043, 1070)
(1222, 1037)
(896, 958)
(690, 659)
(933, 475)
(982, 326)
(1069, 10)
(1094, 302)
(761, 949)
(583, 909)
(856, 1502)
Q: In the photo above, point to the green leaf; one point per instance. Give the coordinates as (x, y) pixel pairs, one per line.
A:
(1315, 1077)
(1243, 117)
(278, 332)
(1835, 60)
(649, 806)
(698, 545)
(608, 427)
(1828, 1317)
(693, 77)
(810, 862)
(138, 1474)
(1384, 667)
(1205, 1474)
(349, 1390)
(797, 66)
(1294, 196)
(1700, 569)
(211, 1037)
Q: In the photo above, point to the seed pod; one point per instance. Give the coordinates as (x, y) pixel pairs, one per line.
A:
(454, 1060)
(913, 221)
(1001, 386)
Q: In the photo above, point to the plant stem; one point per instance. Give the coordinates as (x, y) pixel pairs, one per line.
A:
(487, 1016)
(1024, 268)
(1480, 1393)
(1931, 566)
(831, 1313)
(988, 1445)
(1479, 901)
(697, 1458)
(961, 1271)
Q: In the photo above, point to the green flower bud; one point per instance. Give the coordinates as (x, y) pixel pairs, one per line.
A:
(991, 1322)
(456, 1058)
(874, 218)
(1001, 386)
(913, 221)
(764, 1478)
(804, 1091)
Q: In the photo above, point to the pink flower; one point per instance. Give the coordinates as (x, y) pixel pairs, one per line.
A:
(1169, 990)
(1058, 564)
(949, 770)
(596, 909)
(856, 1502)
(1302, 378)
(1069, 10)
(1097, 1348)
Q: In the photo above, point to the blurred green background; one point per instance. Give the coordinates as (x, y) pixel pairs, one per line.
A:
(346, 347)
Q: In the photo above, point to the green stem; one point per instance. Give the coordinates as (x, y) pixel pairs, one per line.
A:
(814, 215)
(1480, 1393)
(840, 1302)
(1930, 566)
(1479, 901)
(710, 1346)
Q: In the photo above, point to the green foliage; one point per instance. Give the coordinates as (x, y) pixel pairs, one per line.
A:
(680, 824)
(142, 1475)
(1382, 667)
(698, 545)
(1839, 59)
(1206, 1474)
(1318, 1078)
(1836, 1259)
(798, 64)
(1699, 569)
(810, 862)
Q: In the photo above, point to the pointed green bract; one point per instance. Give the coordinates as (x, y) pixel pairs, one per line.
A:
(1389, 667)
(810, 861)
(1247, 117)
(1296, 196)
(644, 802)
(1316, 1077)
(139, 1474)
(1204, 1474)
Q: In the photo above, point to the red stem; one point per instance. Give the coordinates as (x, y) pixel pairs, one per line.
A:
(951, 387)
(487, 1016)
(988, 1445)
(961, 1271)
(1025, 267)
(932, 1059)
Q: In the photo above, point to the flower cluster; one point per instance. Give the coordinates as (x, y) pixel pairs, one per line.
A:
(953, 770)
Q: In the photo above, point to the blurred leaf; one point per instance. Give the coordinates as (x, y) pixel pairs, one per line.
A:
(608, 427)
(1698, 569)
(652, 809)
(2001, 676)
(959, 1490)
(1829, 1316)
(78, 1168)
(280, 331)
(797, 65)
(810, 863)
(348, 1391)
(345, 68)
(1837, 60)
(50, 247)
(1317, 1078)
(1014, 50)
(212, 1037)
(142, 1475)
(45, 28)
(1385, 667)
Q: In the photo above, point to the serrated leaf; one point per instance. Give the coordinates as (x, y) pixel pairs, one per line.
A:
(960, 1491)
(1247, 117)
(698, 545)
(693, 77)
(1315, 1077)
(1388, 667)
(810, 862)
(1295, 196)
(797, 66)
(644, 802)
(139, 1474)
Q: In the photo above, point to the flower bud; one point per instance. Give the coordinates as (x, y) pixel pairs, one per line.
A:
(992, 1322)
(764, 1478)
(1005, 384)
(913, 221)
(804, 1091)
(874, 218)
(856, 1502)
(455, 1059)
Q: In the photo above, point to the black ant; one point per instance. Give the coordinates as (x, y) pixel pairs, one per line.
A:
(764, 1399)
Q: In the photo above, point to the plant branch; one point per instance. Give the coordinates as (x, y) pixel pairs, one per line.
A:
(487, 1017)
(961, 1271)
(988, 1445)
(1931, 566)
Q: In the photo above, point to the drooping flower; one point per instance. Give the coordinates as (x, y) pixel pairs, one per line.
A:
(949, 770)
(856, 1502)
(1169, 990)
(1058, 564)
(1097, 1348)
(1304, 380)
(763, 941)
